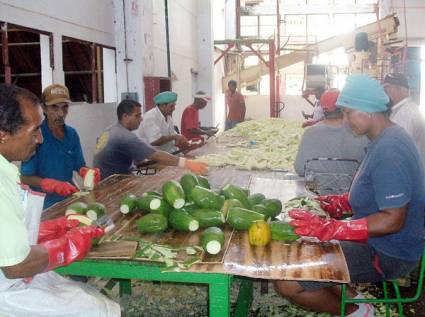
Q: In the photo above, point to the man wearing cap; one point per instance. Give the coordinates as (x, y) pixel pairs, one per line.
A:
(404, 111)
(235, 103)
(157, 128)
(190, 118)
(330, 138)
(31, 250)
(117, 149)
(51, 168)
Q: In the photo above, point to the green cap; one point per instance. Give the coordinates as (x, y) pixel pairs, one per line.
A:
(165, 97)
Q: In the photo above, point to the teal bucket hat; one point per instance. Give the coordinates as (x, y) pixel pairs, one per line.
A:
(165, 97)
(364, 93)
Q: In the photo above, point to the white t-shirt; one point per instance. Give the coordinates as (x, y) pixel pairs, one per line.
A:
(407, 115)
(14, 240)
(154, 126)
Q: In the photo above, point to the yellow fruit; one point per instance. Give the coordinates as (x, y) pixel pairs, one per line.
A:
(259, 233)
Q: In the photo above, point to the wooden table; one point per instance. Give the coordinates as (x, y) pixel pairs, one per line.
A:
(304, 260)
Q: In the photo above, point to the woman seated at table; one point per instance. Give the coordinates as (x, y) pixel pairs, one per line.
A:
(384, 239)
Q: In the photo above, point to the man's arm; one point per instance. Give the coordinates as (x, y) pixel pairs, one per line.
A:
(164, 158)
(36, 262)
(31, 180)
(165, 139)
(243, 109)
(200, 131)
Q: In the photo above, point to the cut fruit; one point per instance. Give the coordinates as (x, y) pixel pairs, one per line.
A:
(76, 208)
(174, 194)
(212, 240)
(84, 220)
(95, 211)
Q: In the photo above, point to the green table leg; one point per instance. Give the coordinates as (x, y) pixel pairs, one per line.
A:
(219, 297)
(245, 296)
(125, 287)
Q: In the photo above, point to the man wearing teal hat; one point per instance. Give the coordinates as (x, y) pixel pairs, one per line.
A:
(157, 127)
(384, 238)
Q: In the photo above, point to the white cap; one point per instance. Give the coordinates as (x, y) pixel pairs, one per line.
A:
(203, 96)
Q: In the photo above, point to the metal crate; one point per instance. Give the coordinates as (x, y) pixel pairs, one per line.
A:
(325, 176)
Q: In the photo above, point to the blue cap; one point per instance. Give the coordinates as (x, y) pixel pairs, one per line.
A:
(165, 97)
(364, 93)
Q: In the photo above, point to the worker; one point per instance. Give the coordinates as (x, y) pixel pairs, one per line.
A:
(235, 106)
(118, 148)
(318, 113)
(30, 250)
(404, 111)
(190, 126)
(51, 169)
(385, 237)
(157, 128)
(330, 138)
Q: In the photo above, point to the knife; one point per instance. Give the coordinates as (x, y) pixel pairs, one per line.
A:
(104, 222)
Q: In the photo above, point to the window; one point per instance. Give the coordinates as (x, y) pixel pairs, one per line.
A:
(20, 56)
(83, 65)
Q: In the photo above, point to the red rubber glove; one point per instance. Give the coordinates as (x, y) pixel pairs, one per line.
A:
(73, 246)
(97, 176)
(50, 185)
(311, 225)
(335, 205)
(55, 228)
(198, 167)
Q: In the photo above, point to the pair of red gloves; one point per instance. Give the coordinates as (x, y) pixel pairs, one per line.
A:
(65, 241)
(308, 224)
(50, 185)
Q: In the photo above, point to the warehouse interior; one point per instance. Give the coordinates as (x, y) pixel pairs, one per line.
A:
(277, 51)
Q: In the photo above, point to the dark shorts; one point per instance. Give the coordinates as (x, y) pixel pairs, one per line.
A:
(230, 124)
(360, 261)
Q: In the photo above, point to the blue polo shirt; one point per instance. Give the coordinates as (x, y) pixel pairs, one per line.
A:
(391, 176)
(55, 159)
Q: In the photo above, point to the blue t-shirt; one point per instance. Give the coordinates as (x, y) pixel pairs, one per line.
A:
(391, 176)
(55, 159)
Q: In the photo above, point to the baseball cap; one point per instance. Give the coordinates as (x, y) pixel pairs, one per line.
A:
(202, 95)
(397, 79)
(54, 94)
(328, 100)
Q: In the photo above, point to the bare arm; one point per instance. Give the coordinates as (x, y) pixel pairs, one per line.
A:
(35, 262)
(243, 109)
(163, 158)
(31, 180)
(164, 139)
(386, 221)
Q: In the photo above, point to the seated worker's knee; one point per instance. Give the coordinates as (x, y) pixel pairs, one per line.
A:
(288, 289)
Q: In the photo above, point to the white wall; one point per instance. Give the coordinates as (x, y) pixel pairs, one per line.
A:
(258, 106)
(90, 120)
(86, 20)
(219, 31)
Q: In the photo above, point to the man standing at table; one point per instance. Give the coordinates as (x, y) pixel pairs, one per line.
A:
(190, 119)
(29, 250)
(404, 111)
(51, 168)
(157, 128)
(235, 106)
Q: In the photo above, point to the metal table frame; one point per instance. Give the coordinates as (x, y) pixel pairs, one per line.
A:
(218, 284)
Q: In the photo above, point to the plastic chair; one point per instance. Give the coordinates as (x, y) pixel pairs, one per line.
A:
(398, 299)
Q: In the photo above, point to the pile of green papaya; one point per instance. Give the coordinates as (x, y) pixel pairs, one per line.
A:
(191, 204)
